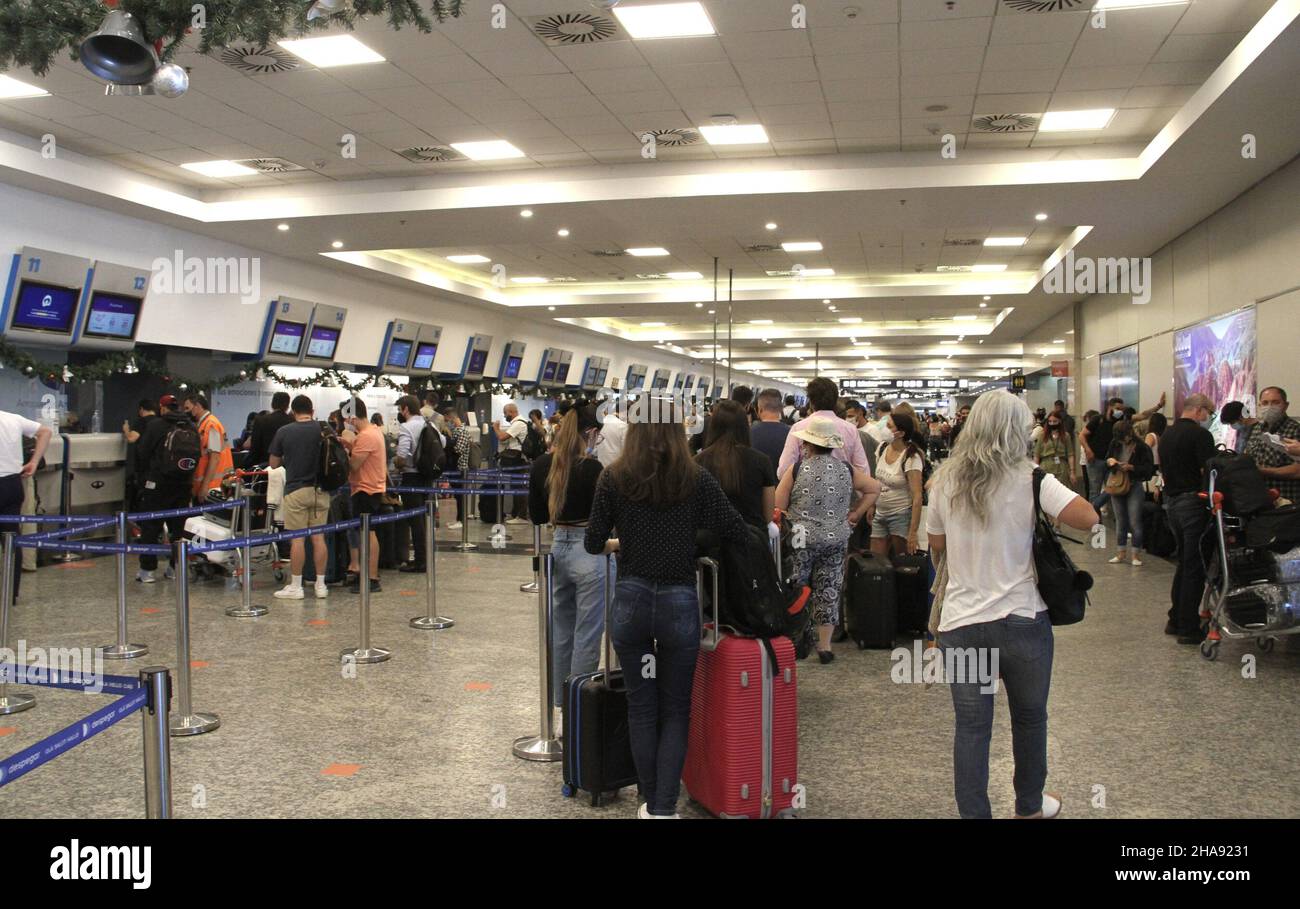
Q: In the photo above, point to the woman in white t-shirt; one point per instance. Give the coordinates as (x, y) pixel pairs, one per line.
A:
(993, 620)
(896, 518)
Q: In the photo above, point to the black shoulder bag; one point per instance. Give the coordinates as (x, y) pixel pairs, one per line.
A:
(1063, 587)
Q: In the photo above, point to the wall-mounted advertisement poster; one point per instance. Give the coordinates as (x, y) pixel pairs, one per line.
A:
(1216, 358)
(1119, 376)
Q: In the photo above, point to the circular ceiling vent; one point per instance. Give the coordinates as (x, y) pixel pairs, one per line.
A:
(1043, 6)
(271, 165)
(674, 137)
(1006, 123)
(430, 154)
(248, 58)
(574, 28)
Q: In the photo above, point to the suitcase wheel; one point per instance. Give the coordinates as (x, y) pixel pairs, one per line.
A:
(567, 791)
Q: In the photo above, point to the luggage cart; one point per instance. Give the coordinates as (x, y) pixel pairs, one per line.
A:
(1250, 592)
(256, 487)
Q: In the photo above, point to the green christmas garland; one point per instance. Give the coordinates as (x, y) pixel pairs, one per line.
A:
(34, 32)
(111, 365)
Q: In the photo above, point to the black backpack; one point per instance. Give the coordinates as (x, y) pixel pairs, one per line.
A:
(533, 444)
(1063, 587)
(177, 455)
(430, 455)
(1245, 491)
(756, 599)
(332, 468)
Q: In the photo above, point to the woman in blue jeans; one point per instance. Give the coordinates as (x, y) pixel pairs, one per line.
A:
(561, 486)
(1129, 457)
(657, 497)
(993, 621)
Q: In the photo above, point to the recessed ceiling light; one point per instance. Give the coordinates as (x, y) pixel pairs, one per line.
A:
(562, 232)
(738, 134)
(809, 246)
(771, 225)
(766, 341)
(988, 298)
(550, 309)
(850, 320)
(1005, 241)
(12, 88)
(795, 344)
(699, 305)
(526, 213)
(984, 306)
(1135, 4)
(685, 275)
(334, 50)
(988, 268)
(817, 272)
(530, 279)
(1058, 340)
(712, 311)
(473, 259)
(665, 20)
(760, 321)
(492, 150)
(219, 168)
(647, 251)
(1058, 121)
(337, 244)
(282, 227)
(1041, 216)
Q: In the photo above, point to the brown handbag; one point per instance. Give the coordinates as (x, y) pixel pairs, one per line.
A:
(1118, 483)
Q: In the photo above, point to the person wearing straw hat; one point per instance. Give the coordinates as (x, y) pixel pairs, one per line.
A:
(816, 494)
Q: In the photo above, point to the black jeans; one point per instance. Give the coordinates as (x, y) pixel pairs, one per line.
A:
(11, 502)
(162, 499)
(414, 500)
(513, 462)
(1188, 518)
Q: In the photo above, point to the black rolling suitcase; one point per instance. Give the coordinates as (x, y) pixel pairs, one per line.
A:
(489, 505)
(870, 604)
(912, 588)
(1157, 535)
(597, 749)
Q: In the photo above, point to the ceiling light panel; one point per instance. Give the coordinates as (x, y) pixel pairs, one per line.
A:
(333, 50)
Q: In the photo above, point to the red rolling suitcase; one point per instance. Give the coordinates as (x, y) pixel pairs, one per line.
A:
(742, 757)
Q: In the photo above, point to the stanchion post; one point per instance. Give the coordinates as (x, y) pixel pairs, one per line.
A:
(65, 496)
(10, 703)
(535, 584)
(430, 621)
(467, 508)
(186, 721)
(544, 746)
(365, 653)
(123, 649)
(246, 610)
(157, 743)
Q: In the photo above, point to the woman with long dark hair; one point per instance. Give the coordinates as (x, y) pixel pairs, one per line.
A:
(1055, 451)
(745, 474)
(658, 498)
(1130, 464)
(896, 517)
(561, 486)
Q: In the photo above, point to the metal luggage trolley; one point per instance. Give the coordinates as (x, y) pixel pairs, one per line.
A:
(250, 485)
(1245, 597)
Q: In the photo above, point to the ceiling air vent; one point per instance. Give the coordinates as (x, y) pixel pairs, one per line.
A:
(574, 29)
(672, 138)
(971, 242)
(763, 248)
(1006, 123)
(782, 273)
(431, 154)
(953, 268)
(271, 165)
(608, 253)
(251, 58)
(1043, 6)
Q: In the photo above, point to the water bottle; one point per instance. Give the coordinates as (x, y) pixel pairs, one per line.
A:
(96, 423)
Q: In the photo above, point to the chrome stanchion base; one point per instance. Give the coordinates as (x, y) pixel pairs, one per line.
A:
(252, 612)
(16, 703)
(530, 587)
(535, 748)
(124, 651)
(194, 724)
(465, 547)
(367, 654)
(438, 623)
(68, 557)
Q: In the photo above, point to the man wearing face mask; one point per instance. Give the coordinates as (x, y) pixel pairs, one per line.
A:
(1185, 447)
(1279, 470)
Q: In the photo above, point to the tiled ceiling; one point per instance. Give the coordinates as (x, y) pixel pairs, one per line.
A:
(896, 77)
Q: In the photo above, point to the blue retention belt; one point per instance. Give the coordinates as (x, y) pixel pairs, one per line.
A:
(185, 512)
(63, 741)
(51, 518)
(108, 548)
(14, 674)
(61, 532)
(264, 539)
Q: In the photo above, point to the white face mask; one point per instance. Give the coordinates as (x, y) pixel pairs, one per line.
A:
(1271, 414)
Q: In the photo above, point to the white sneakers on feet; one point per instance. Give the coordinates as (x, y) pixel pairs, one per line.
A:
(454, 525)
(643, 813)
(146, 577)
(289, 592)
(1118, 559)
(516, 520)
(1051, 808)
(321, 590)
(1137, 563)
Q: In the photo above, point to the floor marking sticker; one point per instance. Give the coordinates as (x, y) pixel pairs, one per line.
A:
(198, 664)
(318, 622)
(478, 686)
(150, 610)
(8, 730)
(337, 769)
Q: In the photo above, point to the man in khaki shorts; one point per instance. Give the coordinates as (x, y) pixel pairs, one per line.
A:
(296, 446)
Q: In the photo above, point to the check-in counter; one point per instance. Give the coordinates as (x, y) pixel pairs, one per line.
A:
(95, 481)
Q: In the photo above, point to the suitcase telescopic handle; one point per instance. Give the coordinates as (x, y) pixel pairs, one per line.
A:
(609, 614)
(708, 637)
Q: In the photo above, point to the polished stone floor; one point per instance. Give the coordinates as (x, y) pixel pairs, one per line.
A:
(1140, 727)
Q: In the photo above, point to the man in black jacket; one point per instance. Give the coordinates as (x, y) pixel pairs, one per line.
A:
(265, 427)
(1185, 447)
(160, 493)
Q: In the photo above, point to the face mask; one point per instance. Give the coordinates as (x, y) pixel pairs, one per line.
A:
(1205, 424)
(1118, 413)
(1052, 427)
(1271, 414)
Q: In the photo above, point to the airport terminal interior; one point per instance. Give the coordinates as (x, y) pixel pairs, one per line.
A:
(532, 224)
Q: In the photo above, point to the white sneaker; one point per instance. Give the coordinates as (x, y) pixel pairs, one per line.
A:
(170, 573)
(1137, 562)
(454, 525)
(321, 590)
(1117, 559)
(146, 577)
(643, 813)
(516, 520)
(1051, 808)
(289, 592)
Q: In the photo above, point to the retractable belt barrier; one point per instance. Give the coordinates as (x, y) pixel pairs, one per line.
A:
(185, 512)
(51, 518)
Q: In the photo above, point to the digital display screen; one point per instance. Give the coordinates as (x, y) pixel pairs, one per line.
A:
(661, 381)
(322, 343)
(681, 380)
(399, 353)
(112, 316)
(600, 379)
(690, 382)
(424, 354)
(44, 307)
(548, 372)
(562, 373)
(512, 367)
(286, 337)
(589, 378)
(477, 360)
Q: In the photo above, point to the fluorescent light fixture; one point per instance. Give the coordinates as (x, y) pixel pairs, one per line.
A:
(550, 309)
(699, 305)
(947, 342)
(1064, 121)
(1135, 4)
(771, 225)
(562, 232)
(811, 246)
(472, 259)
(526, 213)
(1058, 340)
(795, 344)
(665, 20)
(12, 88)
(739, 134)
(1041, 216)
(653, 324)
(333, 50)
(492, 150)
(984, 306)
(530, 279)
(988, 268)
(988, 298)
(1005, 241)
(817, 272)
(964, 318)
(760, 321)
(686, 276)
(219, 168)
(850, 320)
(647, 251)
(282, 227)
(337, 244)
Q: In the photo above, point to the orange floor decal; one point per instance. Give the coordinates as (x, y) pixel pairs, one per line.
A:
(318, 622)
(150, 610)
(478, 686)
(8, 730)
(408, 593)
(84, 563)
(198, 664)
(337, 769)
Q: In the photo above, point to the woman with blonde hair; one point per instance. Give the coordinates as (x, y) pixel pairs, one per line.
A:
(981, 514)
(561, 486)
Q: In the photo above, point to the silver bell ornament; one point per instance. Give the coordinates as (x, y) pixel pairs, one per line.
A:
(326, 8)
(171, 80)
